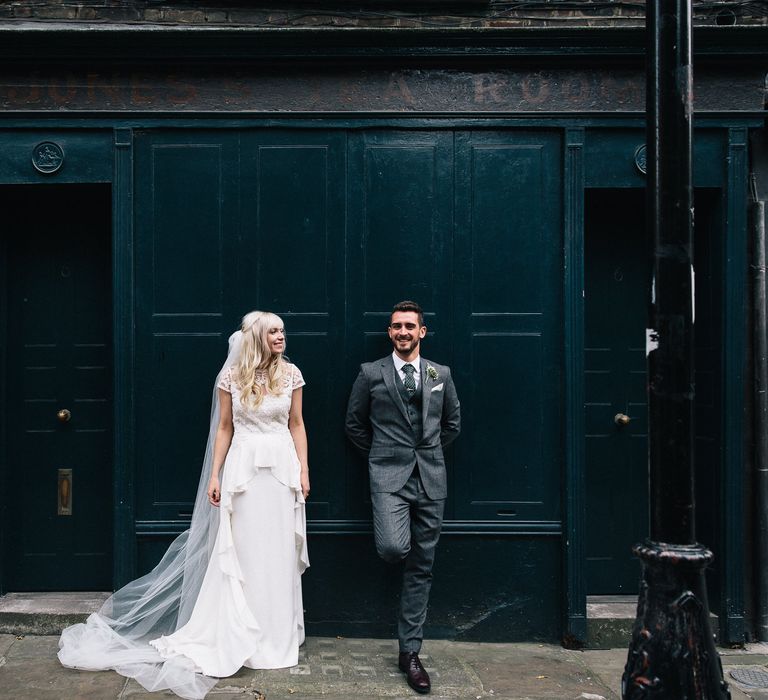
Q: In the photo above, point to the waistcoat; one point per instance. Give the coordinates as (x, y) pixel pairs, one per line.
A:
(412, 407)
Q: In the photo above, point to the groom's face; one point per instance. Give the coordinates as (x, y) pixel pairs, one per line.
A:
(405, 332)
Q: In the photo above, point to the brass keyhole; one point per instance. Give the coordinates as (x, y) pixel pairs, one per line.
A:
(64, 415)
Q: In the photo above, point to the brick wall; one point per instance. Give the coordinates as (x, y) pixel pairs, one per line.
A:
(495, 13)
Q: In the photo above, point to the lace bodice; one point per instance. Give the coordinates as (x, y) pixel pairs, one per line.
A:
(271, 415)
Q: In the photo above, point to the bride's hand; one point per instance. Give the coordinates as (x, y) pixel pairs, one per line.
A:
(305, 484)
(214, 491)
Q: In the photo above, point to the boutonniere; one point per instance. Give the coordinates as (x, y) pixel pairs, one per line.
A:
(432, 372)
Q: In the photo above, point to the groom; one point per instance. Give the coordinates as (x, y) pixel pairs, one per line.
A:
(402, 411)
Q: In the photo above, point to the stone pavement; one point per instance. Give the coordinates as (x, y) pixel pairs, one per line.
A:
(358, 669)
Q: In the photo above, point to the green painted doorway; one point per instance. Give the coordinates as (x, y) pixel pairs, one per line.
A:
(617, 279)
(616, 282)
(58, 420)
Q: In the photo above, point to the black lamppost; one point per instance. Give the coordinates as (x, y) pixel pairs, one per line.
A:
(672, 654)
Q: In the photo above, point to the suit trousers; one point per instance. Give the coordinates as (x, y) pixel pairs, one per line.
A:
(407, 527)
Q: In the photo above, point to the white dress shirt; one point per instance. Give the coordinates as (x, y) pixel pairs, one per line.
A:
(399, 362)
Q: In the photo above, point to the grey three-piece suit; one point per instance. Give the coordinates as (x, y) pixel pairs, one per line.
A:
(403, 436)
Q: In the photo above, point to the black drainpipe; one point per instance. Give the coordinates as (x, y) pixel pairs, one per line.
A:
(761, 412)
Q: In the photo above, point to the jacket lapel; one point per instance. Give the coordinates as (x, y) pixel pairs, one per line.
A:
(388, 374)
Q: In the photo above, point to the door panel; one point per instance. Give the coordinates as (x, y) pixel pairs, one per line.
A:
(399, 246)
(400, 206)
(291, 261)
(185, 231)
(508, 319)
(329, 228)
(262, 228)
(616, 281)
(617, 275)
(59, 357)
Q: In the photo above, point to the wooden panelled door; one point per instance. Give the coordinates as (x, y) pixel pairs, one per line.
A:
(617, 279)
(330, 228)
(57, 461)
(616, 284)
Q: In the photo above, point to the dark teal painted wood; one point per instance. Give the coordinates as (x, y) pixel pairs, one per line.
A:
(349, 591)
(123, 323)
(575, 608)
(508, 291)
(60, 352)
(362, 120)
(186, 229)
(609, 217)
(398, 246)
(87, 156)
(617, 275)
(169, 528)
(734, 242)
(708, 344)
(332, 228)
(610, 158)
(118, 42)
(313, 325)
(290, 259)
(280, 249)
(473, 595)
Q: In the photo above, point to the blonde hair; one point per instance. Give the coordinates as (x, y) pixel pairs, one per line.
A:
(257, 357)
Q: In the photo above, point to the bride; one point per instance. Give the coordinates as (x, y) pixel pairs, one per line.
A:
(227, 593)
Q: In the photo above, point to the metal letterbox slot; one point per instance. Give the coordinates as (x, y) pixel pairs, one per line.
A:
(65, 492)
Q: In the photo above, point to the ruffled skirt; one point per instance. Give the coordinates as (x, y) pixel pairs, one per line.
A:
(249, 610)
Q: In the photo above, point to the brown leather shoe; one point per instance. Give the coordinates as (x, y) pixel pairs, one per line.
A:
(417, 677)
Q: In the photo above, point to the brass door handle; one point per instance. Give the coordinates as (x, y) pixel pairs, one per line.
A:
(621, 419)
(64, 415)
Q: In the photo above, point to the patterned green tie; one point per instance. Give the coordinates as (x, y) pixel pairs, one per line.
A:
(410, 381)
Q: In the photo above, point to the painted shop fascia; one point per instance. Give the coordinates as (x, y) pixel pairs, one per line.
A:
(122, 102)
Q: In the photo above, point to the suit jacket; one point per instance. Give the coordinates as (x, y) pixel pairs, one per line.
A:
(377, 423)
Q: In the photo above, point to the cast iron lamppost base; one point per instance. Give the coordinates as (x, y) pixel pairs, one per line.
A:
(672, 654)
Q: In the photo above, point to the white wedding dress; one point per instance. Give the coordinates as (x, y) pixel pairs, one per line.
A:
(249, 608)
(249, 611)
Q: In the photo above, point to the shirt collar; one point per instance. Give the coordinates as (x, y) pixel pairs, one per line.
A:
(399, 362)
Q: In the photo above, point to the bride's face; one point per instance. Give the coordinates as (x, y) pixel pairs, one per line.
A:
(276, 340)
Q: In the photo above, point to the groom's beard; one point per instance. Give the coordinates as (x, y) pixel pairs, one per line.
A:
(406, 347)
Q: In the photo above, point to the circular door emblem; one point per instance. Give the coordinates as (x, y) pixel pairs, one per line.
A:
(47, 157)
(641, 159)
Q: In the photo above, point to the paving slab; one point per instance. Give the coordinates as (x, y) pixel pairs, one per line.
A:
(33, 647)
(362, 669)
(6, 640)
(46, 613)
(606, 665)
(39, 678)
(529, 670)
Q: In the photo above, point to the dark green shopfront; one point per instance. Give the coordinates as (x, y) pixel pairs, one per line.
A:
(146, 208)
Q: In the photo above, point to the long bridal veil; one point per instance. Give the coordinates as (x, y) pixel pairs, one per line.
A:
(117, 636)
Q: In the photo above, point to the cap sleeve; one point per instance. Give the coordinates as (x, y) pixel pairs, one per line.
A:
(297, 380)
(225, 380)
